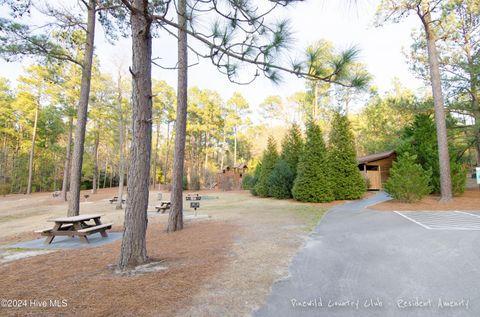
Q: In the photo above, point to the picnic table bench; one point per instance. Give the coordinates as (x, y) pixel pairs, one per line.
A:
(115, 199)
(164, 205)
(56, 194)
(75, 226)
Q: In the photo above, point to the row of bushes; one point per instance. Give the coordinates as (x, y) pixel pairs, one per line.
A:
(309, 170)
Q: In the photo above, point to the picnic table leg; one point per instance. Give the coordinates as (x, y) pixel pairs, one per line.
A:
(77, 227)
(103, 232)
(50, 238)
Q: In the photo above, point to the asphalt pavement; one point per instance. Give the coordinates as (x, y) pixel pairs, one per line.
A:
(361, 262)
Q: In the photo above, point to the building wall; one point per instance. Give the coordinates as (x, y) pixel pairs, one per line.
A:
(383, 164)
(230, 179)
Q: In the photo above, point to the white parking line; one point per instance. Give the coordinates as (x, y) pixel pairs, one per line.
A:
(412, 220)
(443, 220)
(467, 213)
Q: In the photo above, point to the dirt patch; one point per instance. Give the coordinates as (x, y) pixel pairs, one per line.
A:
(470, 200)
(84, 280)
(224, 271)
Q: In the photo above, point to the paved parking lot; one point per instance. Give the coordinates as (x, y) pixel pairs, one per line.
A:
(360, 262)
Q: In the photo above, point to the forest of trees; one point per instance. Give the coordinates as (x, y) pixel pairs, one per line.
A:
(37, 120)
(65, 125)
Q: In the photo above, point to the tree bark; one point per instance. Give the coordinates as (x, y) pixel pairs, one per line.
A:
(95, 162)
(105, 175)
(166, 156)
(134, 249)
(66, 166)
(155, 157)
(175, 219)
(205, 166)
(32, 149)
(234, 146)
(121, 145)
(77, 159)
(443, 155)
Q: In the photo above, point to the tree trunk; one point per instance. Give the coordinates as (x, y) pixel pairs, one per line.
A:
(66, 166)
(134, 249)
(32, 149)
(205, 166)
(3, 176)
(443, 155)
(175, 219)
(95, 162)
(77, 159)
(223, 150)
(157, 137)
(234, 146)
(105, 175)
(166, 156)
(121, 145)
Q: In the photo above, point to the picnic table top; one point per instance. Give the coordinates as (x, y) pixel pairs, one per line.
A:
(75, 218)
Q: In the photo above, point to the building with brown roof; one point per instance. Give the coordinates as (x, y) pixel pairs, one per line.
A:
(376, 168)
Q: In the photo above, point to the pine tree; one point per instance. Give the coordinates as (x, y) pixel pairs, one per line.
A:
(255, 177)
(312, 183)
(270, 157)
(408, 181)
(292, 147)
(348, 182)
(280, 181)
(420, 138)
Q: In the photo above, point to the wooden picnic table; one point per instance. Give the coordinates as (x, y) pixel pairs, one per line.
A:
(164, 205)
(193, 197)
(115, 199)
(76, 226)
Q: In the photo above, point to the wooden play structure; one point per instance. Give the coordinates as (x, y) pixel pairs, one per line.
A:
(231, 178)
(376, 168)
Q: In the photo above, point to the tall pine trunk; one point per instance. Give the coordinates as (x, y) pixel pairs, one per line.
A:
(166, 156)
(175, 219)
(32, 149)
(155, 157)
(121, 145)
(95, 162)
(205, 166)
(134, 249)
(66, 165)
(443, 156)
(77, 158)
(234, 146)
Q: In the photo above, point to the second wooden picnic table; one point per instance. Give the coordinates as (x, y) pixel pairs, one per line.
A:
(76, 226)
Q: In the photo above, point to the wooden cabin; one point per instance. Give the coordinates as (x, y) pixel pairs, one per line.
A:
(231, 178)
(376, 168)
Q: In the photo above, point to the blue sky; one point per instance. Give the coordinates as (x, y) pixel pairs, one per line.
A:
(341, 22)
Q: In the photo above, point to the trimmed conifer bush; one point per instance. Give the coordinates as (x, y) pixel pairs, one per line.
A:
(270, 157)
(280, 181)
(347, 181)
(312, 183)
(408, 181)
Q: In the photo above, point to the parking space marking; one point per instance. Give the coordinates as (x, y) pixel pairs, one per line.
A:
(443, 220)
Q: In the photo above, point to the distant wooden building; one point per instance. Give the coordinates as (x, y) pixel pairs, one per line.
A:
(376, 168)
(231, 178)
